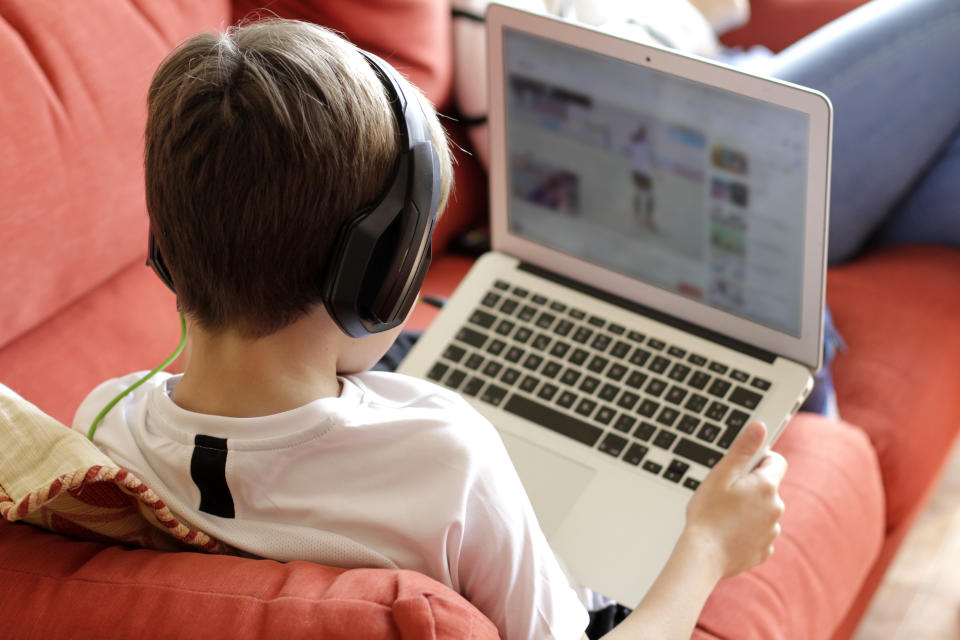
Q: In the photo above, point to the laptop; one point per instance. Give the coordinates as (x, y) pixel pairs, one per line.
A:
(656, 281)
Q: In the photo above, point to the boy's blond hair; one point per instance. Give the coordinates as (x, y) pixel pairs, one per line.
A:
(259, 144)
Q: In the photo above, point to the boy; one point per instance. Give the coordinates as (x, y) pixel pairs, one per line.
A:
(260, 145)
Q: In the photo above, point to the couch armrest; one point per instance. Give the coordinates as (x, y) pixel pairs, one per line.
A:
(776, 24)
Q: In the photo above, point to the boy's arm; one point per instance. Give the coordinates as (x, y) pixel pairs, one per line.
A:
(732, 522)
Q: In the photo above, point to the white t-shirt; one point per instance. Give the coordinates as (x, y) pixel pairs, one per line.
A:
(395, 472)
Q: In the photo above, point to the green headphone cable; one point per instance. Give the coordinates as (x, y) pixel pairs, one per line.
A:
(163, 365)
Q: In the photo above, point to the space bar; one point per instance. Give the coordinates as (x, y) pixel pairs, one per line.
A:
(553, 420)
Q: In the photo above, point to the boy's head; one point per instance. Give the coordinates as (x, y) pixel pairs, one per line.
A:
(260, 143)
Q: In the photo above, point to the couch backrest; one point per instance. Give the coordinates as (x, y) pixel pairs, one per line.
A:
(72, 112)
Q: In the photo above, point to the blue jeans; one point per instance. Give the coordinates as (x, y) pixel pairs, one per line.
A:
(891, 68)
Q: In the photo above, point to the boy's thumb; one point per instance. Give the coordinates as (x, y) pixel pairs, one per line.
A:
(744, 448)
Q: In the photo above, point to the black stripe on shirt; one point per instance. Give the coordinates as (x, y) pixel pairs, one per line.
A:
(208, 468)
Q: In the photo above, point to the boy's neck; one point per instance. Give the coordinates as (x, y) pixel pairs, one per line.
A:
(229, 375)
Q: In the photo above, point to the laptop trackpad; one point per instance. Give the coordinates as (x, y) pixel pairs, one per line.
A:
(552, 481)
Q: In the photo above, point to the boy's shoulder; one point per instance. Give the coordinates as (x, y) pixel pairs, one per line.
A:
(398, 391)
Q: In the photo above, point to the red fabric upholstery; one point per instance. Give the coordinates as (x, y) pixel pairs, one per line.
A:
(833, 529)
(71, 167)
(112, 592)
(777, 24)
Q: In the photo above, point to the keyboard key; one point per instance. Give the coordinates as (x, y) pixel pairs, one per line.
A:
(493, 395)
(474, 361)
(544, 320)
(454, 353)
(739, 376)
(760, 383)
(691, 484)
(522, 335)
(652, 467)
(745, 398)
(549, 418)
(473, 386)
(586, 407)
(570, 377)
(491, 299)
(612, 444)
(529, 383)
(582, 334)
(624, 423)
(598, 364)
(604, 415)
(675, 471)
(647, 408)
(541, 342)
(482, 319)
(696, 403)
(676, 352)
(658, 345)
(514, 354)
(719, 388)
(709, 432)
(620, 349)
(597, 321)
(659, 364)
(697, 452)
(698, 380)
(676, 395)
(737, 419)
(509, 306)
(668, 416)
(579, 356)
(559, 307)
(616, 371)
(616, 329)
(547, 391)
(532, 362)
(559, 349)
(495, 347)
(697, 360)
(538, 299)
(563, 328)
(729, 435)
(471, 337)
(636, 336)
(688, 424)
(492, 369)
(510, 376)
(718, 367)
(627, 400)
(589, 384)
(635, 453)
(520, 293)
(527, 313)
(679, 372)
(500, 284)
(644, 431)
(567, 399)
(455, 379)
(577, 314)
(656, 387)
(639, 357)
(636, 379)
(437, 371)
(716, 411)
(551, 369)
(600, 342)
(608, 392)
(505, 327)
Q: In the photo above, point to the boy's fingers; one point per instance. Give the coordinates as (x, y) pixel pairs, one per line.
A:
(773, 466)
(734, 463)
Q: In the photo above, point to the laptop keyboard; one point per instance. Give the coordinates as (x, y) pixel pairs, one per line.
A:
(602, 384)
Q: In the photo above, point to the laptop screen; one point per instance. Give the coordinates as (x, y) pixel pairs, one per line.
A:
(684, 186)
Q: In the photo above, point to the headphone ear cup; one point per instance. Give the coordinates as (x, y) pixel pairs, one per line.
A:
(155, 261)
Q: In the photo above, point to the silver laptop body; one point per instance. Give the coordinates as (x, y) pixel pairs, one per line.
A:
(656, 281)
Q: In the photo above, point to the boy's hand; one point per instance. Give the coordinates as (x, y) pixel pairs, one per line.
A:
(735, 512)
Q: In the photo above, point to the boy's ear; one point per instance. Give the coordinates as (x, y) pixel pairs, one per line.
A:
(155, 261)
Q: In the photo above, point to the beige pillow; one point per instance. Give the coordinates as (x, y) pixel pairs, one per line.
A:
(54, 478)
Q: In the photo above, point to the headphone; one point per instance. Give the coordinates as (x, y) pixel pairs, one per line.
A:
(380, 255)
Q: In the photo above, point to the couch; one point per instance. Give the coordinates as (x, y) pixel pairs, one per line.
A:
(78, 306)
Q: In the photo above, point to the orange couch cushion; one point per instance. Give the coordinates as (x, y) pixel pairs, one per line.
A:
(71, 171)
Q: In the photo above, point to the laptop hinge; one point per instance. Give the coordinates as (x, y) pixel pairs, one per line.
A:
(659, 316)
